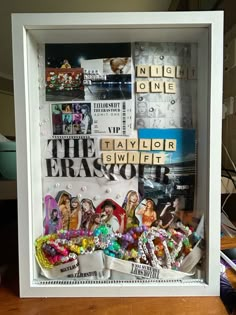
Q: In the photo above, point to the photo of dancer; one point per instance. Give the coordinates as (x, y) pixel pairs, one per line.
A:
(75, 215)
(77, 118)
(64, 206)
(129, 205)
(141, 110)
(57, 129)
(88, 210)
(112, 214)
(67, 129)
(63, 200)
(76, 108)
(172, 212)
(146, 212)
(52, 221)
(67, 119)
(56, 109)
(66, 108)
(87, 119)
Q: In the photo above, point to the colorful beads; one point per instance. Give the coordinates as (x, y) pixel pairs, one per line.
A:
(75, 249)
(69, 234)
(160, 248)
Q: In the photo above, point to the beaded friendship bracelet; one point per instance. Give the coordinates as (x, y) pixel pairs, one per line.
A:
(157, 247)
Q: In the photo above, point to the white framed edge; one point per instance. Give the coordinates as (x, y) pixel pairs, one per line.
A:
(207, 29)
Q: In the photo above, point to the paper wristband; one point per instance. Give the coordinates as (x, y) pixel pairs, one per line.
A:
(132, 268)
(72, 269)
(93, 275)
(62, 270)
(91, 262)
(143, 271)
(69, 271)
(192, 259)
(121, 276)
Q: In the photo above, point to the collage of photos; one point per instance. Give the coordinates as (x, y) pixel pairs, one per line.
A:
(165, 113)
(64, 83)
(71, 118)
(136, 213)
(136, 235)
(67, 212)
(88, 72)
(162, 109)
(173, 182)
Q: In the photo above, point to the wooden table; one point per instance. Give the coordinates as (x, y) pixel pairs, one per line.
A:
(228, 242)
(12, 304)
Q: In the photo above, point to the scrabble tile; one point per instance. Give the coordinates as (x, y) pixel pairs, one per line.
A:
(157, 86)
(145, 158)
(157, 144)
(170, 87)
(120, 144)
(181, 72)
(142, 86)
(170, 144)
(142, 71)
(132, 144)
(133, 157)
(156, 71)
(192, 73)
(158, 158)
(145, 144)
(107, 144)
(121, 157)
(108, 158)
(169, 71)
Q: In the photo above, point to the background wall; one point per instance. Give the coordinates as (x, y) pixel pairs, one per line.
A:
(7, 120)
(28, 6)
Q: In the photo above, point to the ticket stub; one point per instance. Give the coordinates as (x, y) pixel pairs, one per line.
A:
(92, 118)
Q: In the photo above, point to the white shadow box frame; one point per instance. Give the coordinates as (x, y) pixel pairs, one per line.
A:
(29, 30)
